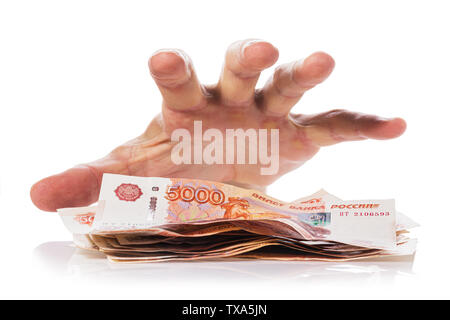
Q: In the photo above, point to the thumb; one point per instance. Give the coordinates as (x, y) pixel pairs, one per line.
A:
(79, 186)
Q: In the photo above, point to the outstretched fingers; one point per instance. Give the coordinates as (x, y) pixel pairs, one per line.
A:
(244, 62)
(290, 81)
(175, 77)
(340, 125)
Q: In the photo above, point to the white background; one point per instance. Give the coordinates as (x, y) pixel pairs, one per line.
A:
(74, 84)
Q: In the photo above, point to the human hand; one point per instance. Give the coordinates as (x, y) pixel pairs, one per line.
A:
(232, 103)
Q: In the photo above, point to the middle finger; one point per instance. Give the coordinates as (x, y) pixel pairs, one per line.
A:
(244, 62)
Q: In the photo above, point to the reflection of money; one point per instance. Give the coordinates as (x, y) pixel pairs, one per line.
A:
(157, 219)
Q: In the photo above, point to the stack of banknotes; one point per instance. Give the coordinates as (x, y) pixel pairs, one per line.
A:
(150, 219)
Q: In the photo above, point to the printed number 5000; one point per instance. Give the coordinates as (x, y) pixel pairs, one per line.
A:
(200, 194)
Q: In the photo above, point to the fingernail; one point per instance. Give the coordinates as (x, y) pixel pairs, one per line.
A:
(179, 53)
(249, 43)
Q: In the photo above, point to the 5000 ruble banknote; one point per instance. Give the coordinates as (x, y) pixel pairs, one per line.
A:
(139, 219)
